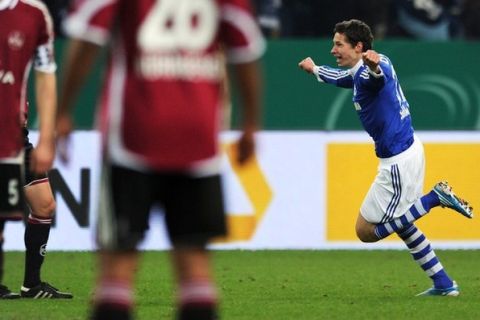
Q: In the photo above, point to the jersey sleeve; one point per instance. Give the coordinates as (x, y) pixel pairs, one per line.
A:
(337, 77)
(239, 32)
(376, 81)
(91, 20)
(44, 56)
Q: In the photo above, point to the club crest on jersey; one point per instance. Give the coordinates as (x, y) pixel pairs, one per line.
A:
(16, 40)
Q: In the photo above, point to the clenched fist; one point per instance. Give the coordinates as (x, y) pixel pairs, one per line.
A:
(372, 59)
(307, 64)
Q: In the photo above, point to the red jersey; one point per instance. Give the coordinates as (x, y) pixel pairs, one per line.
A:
(26, 37)
(162, 97)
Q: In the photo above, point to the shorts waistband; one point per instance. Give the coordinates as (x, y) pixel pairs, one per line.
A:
(18, 159)
(416, 145)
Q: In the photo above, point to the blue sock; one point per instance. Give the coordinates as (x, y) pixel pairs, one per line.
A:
(420, 208)
(430, 200)
(423, 254)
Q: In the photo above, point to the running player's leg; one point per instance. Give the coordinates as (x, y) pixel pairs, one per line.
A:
(397, 182)
(194, 214)
(395, 199)
(423, 254)
(372, 232)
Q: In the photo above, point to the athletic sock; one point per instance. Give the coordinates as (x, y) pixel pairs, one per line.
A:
(423, 254)
(36, 237)
(113, 300)
(420, 208)
(197, 300)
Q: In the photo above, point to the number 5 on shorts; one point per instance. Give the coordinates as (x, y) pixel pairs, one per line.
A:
(11, 190)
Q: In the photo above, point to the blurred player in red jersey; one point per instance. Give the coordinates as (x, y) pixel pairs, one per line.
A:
(26, 38)
(160, 118)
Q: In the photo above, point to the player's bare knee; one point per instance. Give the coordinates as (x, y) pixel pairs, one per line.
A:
(365, 230)
(366, 235)
(46, 208)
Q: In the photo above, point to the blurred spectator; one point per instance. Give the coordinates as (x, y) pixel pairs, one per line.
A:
(58, 10)
(420, 19)
(470, 17)
(312, 18)
(425, 19)
(268, 15)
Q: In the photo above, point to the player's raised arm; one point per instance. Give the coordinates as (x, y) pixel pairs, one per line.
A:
(338, 77)
(374, 76)
(372, 59)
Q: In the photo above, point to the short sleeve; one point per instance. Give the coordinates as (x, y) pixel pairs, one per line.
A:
(44, 56)
(91, 20)
(240, 32)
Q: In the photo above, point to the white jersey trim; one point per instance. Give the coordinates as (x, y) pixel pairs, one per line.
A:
(4, 4)
(374, 74)
(117, 152)
(316, 73)
(77, 25)
(23, 97)
(18, 159)
(355, 68)
(43, 62)
(46, 15)
(245, 23)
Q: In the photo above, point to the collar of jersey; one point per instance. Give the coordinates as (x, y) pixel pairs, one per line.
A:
(355, 69)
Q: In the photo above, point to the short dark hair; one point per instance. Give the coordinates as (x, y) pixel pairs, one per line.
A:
(356, 31)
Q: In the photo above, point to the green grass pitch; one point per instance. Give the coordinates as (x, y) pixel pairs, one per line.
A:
(264, 285)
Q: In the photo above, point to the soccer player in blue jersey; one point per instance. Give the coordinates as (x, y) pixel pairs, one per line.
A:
(394, 201)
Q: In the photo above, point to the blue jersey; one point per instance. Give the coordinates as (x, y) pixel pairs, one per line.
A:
(380, 104)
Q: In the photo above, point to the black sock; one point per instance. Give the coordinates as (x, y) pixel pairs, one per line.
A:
(36, 237)
(192, 312)
(2, 227)
(111, 312)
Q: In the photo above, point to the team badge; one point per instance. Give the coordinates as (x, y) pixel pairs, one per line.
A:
(43, 250)
(16, 40)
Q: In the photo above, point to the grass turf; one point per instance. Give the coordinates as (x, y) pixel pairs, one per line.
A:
(265, 285)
